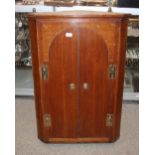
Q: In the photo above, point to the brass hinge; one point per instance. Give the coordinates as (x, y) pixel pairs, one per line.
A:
(44, 72)
(109, 120)
(47, 120)
(112, 71)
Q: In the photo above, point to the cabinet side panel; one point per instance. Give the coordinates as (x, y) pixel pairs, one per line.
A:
(36, 76)
(121, 63)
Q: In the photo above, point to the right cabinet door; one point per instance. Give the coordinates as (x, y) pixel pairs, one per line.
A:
(93, 66)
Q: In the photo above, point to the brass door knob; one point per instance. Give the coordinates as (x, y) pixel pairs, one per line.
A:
(72, 86)
(85, 86)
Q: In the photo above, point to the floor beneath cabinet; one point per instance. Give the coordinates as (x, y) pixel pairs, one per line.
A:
(27, 142)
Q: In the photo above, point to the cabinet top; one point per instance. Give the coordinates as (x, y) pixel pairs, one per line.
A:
(79, 14)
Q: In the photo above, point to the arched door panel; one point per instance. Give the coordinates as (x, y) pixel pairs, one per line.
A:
(62, 97)
(76, 90)
(93, 84)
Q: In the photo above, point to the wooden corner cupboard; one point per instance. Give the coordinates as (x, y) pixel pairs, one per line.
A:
(78, 69)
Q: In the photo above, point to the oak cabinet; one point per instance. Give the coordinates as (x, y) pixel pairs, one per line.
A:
(78, 70)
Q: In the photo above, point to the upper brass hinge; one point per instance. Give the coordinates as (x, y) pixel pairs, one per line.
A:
(109, 120)
(112, 71)
(44, 72)
(47, 120)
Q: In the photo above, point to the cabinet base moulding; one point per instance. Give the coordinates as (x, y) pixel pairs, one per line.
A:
(79, 140)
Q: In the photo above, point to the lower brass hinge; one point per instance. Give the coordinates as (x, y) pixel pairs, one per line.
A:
(109, 120)
(112, 71)
(44, 72)
(47, 120)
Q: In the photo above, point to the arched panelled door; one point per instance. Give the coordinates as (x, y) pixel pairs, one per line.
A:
(75, 91)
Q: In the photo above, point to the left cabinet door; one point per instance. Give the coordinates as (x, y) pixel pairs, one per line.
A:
(60, 87)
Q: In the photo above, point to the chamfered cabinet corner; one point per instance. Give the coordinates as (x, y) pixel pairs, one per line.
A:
(78, 70)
